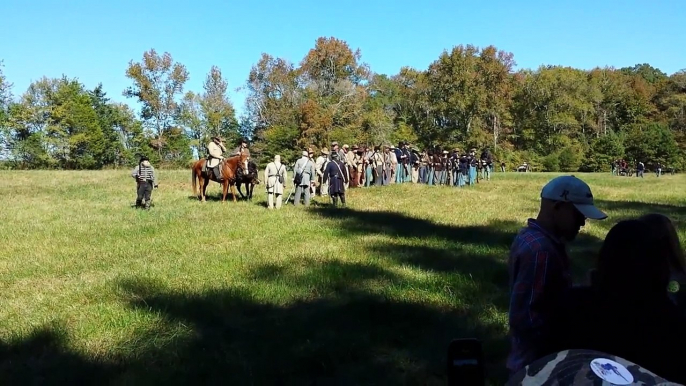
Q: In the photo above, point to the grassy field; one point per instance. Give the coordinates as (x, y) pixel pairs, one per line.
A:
(93, 291)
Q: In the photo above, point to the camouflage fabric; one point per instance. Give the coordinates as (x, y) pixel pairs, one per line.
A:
(573, 367)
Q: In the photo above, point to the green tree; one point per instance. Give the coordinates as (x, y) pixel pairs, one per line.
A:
(5, 102)
(603, 151)
(107, 117)
(157, 83)
(651, 144)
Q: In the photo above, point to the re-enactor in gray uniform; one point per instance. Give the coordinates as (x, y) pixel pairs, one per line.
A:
(274, 173)
(305, 167)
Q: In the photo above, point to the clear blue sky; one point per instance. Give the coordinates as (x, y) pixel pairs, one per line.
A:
(94, 40)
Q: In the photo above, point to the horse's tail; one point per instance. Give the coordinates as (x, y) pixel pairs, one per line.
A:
(194, 177)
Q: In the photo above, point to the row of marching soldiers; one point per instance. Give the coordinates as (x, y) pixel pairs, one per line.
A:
(336, 170)
(386, 165)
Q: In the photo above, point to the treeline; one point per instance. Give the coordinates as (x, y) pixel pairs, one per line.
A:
(555, 118)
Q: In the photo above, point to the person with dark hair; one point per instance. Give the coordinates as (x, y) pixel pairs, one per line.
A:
(670, 246)
(146, 178)
(633, 317)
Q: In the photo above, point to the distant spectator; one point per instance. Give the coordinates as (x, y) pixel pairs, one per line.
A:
(539, 267)
(640, 167)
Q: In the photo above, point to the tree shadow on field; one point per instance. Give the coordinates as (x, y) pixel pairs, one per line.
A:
(352, 323)
(345, 335)
(43, 358)
(616, 209)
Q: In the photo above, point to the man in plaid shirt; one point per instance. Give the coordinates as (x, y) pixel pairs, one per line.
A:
(539, 267)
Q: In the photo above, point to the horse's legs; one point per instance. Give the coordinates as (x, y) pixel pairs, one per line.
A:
(233, 192)
(239, 184)
(205, 182)
(225, 190)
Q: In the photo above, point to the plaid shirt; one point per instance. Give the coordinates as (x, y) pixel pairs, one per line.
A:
(539, 278)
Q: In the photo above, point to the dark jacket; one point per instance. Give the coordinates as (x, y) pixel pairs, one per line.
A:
(648, 332)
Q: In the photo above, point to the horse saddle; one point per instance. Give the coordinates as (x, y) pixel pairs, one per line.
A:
(213, 165)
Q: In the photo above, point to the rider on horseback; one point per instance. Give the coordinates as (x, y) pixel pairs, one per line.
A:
(243, 149)
(216, 151)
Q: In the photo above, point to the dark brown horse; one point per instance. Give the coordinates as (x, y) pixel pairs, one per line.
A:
(249, 179)
(228, 171)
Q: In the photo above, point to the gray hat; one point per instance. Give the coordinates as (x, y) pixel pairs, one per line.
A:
(585, 367)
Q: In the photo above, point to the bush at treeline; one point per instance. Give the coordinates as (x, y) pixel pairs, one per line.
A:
(555, 118)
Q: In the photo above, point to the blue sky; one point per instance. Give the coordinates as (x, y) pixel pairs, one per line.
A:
(94, 40)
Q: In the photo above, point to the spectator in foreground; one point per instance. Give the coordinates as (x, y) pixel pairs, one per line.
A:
(632, 315)
(670, 246)
(539, 267)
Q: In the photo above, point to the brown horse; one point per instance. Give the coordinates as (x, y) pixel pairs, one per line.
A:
(228, 170)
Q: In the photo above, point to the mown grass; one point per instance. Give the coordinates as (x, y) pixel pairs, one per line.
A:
(95, 292)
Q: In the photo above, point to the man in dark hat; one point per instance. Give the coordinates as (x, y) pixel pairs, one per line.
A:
(336, 177)
(242, 148)
(146, 178)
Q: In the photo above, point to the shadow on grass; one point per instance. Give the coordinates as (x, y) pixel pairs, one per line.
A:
(675, 212)
(352, 324)
(43, 358)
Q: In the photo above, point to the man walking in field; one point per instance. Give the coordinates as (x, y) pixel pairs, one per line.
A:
(304, 176)
(146, 178)
(275, 175)
(539, 267)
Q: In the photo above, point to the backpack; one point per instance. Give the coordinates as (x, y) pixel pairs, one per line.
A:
(297, 179)
(281, 181)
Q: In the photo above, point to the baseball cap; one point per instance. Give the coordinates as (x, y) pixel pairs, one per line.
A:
(585, 367)
(572, 189)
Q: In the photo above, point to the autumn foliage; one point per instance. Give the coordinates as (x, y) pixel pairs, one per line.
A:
(553, 117)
